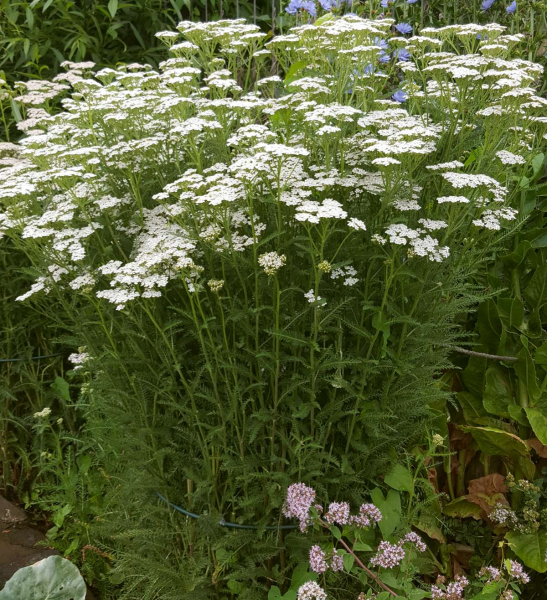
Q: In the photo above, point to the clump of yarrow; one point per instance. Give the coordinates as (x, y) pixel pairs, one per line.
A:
(324, 186)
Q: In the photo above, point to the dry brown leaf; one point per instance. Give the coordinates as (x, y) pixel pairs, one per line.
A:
(540, 449)
(488, 491)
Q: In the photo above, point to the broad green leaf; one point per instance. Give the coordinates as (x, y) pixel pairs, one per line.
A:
(390, 507)
(54, 578)
(540, 356)
(537, 163)
(497, 393)
(538, 422)
(335, 532)
(294, 70)
(474, 373)
(527, 467)
(327, 17)
(235, 586)
(300, 575)
(489, 324)
(430, 524)
(517, 413)
(530, 548)
(489, 592)
(112, 7)
(274, 593)
(30, 17)
(526, 372)
(515, 258)
(472, 406)
(462, 508)
(361, 547)
(535, 292)
(61, 388)
(400, 478)
(516, 316)
(391, 581)
(494, 442)
(348, 559)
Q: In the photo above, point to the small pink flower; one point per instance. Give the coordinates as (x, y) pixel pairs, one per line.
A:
(414, 538)
(388, 555)
(300, 498)
(368, 514)
(317, 560)
(338, 513)
(337, 562)
(516, 570)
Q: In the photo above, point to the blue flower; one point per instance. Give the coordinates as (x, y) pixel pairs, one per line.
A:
(369, 69)
(402, 54)
(307, 5)
(383, 57)
(399, 96)
(512, 8)
(486, 4)
(381, 43)
(411, 1)
(384, 3)
(404, 28)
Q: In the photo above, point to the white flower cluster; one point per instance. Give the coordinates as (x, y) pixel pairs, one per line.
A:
(149, 177)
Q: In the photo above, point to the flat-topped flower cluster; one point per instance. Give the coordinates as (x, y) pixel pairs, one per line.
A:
(181, 169)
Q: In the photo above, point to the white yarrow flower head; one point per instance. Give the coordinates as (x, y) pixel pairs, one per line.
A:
(356, 224)
(43, 413)
(508, 158)
(215, 285)
(271, 262)
(313, 299)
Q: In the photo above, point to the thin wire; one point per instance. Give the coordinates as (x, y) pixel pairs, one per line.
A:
(222, 522)
(8, 360)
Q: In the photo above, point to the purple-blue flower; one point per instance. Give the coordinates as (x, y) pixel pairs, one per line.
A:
(402, 54)
(411, 1)
(399, 96)
(307, 5)
(384, 3)
(512, 8)
(403, 28)
(486, 4)
(381, 43)
(383, 57)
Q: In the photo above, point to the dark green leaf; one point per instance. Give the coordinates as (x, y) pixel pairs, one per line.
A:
(531, 548)
(497, 393)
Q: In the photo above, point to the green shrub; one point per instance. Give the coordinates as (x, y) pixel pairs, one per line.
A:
(264, 275)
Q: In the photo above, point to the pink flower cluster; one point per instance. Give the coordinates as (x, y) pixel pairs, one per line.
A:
(491, 573)
(338, 513)
(368, 514)
(300, 498)
(392, 555)
(388, 555)
(318, 560)
(454, 590)
(517, 571)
